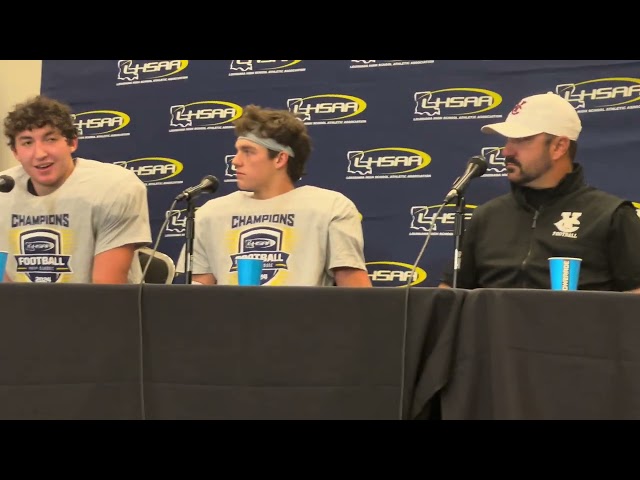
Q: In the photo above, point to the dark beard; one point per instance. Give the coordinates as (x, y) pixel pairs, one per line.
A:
(524, 176)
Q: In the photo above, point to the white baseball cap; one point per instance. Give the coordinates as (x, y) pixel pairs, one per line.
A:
(544, 113)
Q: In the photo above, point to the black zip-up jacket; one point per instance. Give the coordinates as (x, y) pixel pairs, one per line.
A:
(507, 241)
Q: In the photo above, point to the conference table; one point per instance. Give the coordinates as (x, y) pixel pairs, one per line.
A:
(539, 354)
(191, 352)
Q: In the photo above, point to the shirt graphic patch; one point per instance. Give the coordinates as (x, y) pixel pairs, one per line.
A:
(40, 257)
(568, 225)
(264, 243)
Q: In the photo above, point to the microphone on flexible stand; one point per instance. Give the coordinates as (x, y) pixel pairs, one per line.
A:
(476, 167)
(6, 183)
(209, 184)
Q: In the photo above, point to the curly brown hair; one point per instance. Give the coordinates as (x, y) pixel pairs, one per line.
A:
(284, 127)
(38, 112)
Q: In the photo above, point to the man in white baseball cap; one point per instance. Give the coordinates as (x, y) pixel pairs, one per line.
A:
(550, 211)
(541, 132)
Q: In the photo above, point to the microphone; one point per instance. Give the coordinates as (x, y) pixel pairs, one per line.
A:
(476, 166)
(6, 183)
(209, 184)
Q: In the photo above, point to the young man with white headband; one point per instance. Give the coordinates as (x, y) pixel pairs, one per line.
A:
(549, 212)
(307, 236)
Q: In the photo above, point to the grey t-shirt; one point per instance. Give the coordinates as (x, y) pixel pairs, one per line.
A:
(54, 238)
(300, 235)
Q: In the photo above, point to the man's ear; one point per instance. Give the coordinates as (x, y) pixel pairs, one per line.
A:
(73, 143)
(282, 159)
(559, 147)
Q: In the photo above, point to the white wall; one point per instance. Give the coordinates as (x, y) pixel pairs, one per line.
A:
(19, 80)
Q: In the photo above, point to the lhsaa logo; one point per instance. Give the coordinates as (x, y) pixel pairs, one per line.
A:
(423, 219)
(154, 170)
(495, 159)
(329, 109)
(133, 72)
(259, 67)
(394, 274)
(388, 162)
(455, 104)
(101, 124)
(203, 115)
(386, 63)
(637, 205)
(229, 169)
(602, 94)
(177, 222)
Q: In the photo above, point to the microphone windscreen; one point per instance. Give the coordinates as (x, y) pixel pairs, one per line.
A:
(481, 162)
(213, 183)
(6, 183)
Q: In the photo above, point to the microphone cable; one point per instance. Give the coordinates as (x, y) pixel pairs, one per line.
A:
(170, 214)
(476, 167)
(405, 319)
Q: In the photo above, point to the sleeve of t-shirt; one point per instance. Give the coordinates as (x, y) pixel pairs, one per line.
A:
(201, 261)
(345, 242)
(624, 247)
(123, 218)
(180, 262)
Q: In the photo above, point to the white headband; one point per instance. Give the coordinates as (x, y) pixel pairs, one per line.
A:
(269, 143)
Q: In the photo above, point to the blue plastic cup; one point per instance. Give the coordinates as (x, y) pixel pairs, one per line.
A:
(564, 272)
(249, 271)
(3, 264)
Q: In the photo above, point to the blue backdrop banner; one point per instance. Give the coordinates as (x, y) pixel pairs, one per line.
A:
(392, 135)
